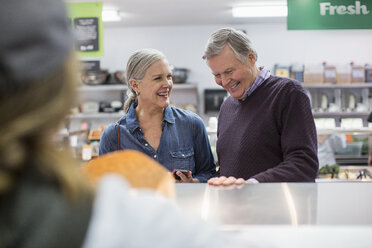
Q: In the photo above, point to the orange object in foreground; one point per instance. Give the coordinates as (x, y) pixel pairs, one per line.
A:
(137, 168)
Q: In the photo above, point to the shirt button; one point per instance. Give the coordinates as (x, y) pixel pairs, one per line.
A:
(146, 144)
(155, 156)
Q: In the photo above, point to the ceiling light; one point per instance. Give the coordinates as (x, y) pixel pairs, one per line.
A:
(111, 15)
(260, 10)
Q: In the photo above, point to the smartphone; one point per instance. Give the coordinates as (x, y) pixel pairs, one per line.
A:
(185, 172)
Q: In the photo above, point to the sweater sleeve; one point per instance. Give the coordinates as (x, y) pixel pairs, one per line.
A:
(298, 141)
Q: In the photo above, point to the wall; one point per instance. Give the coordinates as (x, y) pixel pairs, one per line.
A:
(184, 45)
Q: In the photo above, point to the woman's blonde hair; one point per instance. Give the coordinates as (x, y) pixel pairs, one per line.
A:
(29, 117)
(137, 66)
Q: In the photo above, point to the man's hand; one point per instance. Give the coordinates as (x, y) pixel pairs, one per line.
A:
(226, 181)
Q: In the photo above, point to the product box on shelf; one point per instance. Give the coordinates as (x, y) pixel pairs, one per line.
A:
(297, 72)
(313, 74)
(368, 73)
(357, 74)
(89, 107)
(343, 73)
(329, 72)
(282, 70)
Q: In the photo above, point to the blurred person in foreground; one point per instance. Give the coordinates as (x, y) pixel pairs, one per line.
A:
(266, 130)
(44, 200)
(175, 138)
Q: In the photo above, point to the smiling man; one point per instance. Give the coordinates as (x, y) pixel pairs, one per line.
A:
(266, 130)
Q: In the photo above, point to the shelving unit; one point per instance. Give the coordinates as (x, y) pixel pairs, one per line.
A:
(353, 131)
(80, 124)
(115, 87)
(107, 87)
(181, 94)
(340, 114)
(81, 116)
(351, 160)
(341, 85)
(346, 97)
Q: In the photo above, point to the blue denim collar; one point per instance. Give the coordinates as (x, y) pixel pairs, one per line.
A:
(131, 117)
(132, 122)
(168, 115)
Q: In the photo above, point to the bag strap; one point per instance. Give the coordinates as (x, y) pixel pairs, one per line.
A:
(118, 127)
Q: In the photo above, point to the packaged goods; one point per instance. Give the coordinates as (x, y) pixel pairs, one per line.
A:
(297, 72)
(344, 73)
(89, 107)
(357, 73)
(313, 74)
(86, 153)
(368, 73)
(282, 70)
(329, 72)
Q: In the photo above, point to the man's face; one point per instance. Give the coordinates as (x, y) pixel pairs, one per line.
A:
(230, 73)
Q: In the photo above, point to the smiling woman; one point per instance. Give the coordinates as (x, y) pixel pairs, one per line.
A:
(175, 138)
(154, 89)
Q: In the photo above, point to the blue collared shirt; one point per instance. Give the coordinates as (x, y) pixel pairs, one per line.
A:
(183, 145)
(262, 76)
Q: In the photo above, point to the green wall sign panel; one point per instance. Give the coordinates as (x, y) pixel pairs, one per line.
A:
(86, 21)
(331, 14)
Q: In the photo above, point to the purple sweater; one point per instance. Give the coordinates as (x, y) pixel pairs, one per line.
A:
(270, 136)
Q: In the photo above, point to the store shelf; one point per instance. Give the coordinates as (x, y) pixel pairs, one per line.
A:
(324, 131)
(108, 87)
(182, 95)
(351, 159)
(118, 87)
(340, 114)
(340, 85)
(184, 86)
(96, 116)
(354, 131)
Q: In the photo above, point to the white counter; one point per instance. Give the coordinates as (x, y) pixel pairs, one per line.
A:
(287, 214)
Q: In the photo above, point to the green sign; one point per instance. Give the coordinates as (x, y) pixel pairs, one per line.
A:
(331, 14)
(86, 21)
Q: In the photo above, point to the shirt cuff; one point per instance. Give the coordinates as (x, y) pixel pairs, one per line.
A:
(253, 180)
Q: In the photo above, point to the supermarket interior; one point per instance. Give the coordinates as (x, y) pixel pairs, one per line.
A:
(186, 123)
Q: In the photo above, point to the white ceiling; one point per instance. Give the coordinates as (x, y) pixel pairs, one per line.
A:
(178, 12)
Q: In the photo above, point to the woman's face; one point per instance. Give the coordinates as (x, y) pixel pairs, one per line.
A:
(156, 86)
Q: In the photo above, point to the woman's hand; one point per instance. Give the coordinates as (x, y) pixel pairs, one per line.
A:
(226, 181)
(186, 179)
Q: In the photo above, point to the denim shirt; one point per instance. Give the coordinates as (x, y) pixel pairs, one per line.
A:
(183, 145)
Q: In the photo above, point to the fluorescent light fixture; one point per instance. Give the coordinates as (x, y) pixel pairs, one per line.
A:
(260, 10)
(111, 15)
